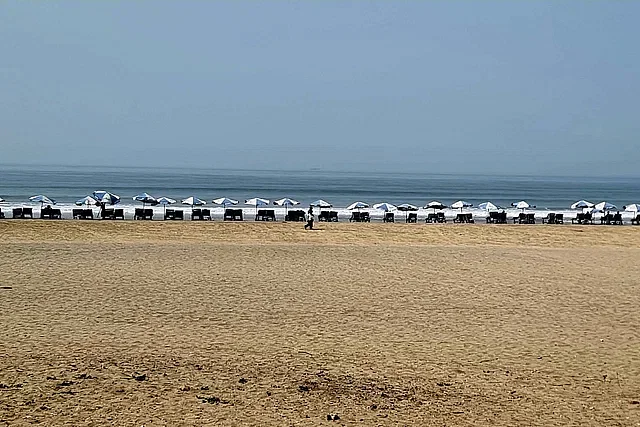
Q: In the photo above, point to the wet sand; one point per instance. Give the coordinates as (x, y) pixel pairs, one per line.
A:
(134, 323)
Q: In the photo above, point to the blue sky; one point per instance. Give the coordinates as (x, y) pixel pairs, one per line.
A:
(506, 87)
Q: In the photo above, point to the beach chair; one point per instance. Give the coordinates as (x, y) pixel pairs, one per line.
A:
(520, 219)
(55, 214)
(617, 219)
(17, 213)
(636, 220)
(46, 212)
(296, 216)
(169, 214)
(388, 217)
(333, 216)
(1, 214)
(323, 216)
(232, 215)
(147, 214)
(412, 218)
(270, 215)
(469, 218)
(365, 217)
(493, 217)
(118, 214)
(549, 219)
(138, 214)
(431, 218)
(356, 217)
(206, 215)
(27, 212)
(502, 218)
(178, 215)
(559, 218)
(107, 214)
(606, 219)
(579, 219)
(588, 218)
(87, 214)
(441, 218)
(196, 214)
(531, 218)
(460, 218)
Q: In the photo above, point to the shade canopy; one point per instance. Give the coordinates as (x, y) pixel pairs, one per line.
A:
(257, 201)
(605, 206)
(406, 207)
(461, 204)
(165, 201)
(358, 205)
(146, 199)
(87, 200)
(193, 201)
(521, 205)
(434, 204)
(488, 206)
(321, 204)
(385, 207)
(2, 200)
(42, 199)
(634, 207)
(106, 197)
(224, 201)
(286, 202)
(582, 204)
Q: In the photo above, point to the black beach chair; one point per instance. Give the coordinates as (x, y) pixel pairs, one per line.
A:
(107, 214)
(355, 217)
(412, 218)
(441, 218)
(432, 217)
(365, 217)
(17, 213)
(531, 218)
(296, 216)
(87, 214)
(469, 218)
(617, 219)
(206, 215)
(460, 218)
(196, 214)
(138, 214)
(169, 214)
(270, 215)
(323, 216)
(51, 213)
(232, 215)
(550, 218)
(636, 220)
(579, 219)
(333, 216)
(388, 217)
(520, 219)
(27, 212)
(1, 214)
(118, 214)
(606, 219)
(559, 218)
(178, 215)
(493, 217)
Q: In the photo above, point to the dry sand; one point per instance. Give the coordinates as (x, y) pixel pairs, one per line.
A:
(129, 323)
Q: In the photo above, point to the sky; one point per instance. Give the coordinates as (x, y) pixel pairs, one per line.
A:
(432, 86)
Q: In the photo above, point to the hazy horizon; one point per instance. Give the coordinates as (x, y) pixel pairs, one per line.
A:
(528, 88)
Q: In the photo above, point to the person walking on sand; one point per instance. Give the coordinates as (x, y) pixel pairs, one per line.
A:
(309, 217)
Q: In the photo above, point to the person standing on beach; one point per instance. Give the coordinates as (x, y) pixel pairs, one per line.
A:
(309, 218)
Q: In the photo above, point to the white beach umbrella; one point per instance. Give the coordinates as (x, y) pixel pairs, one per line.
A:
(582, 204)
(488, 206)
(42, 200)
(193, 201)
(164, 201)
(224, 201)
(145, 198)
(634, 207)
(321, 204)
(106, 197)
(460, 204)
(257, 202)
(605, 206)
(522, 205)
(87, 201)
(357, 205)
(407, 207)
(434, 204)
(2, 200)
(385, 207)
(286, 202)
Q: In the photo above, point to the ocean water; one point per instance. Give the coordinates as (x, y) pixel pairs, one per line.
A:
(68, 184)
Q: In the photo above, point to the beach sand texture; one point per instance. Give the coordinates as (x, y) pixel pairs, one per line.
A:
(152, 323)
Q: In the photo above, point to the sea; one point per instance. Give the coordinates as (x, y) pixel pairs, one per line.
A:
(66, 184)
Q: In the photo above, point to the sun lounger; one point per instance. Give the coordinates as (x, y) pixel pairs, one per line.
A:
(295, 216)
(50, 213)
(1, 214)
(636, 220)
(441, 218)
(206, 214)
(178, 215)
(118, 214)
(266, 215)
(333, 216)
(77, 213)
(617, 219)
(559, 218)
(388, 217)
(431, 218)
(549, 219)
(412, 218)
(493, 217)
(323, 216)
(27, 212)
(107, 214)
(17, 213)
(169, 214)
(606, 219)
(520, 219)
(355, 217)
(138, 214)
(460, 218)
(232, 215)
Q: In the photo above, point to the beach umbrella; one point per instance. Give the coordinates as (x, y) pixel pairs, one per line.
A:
(460, 204)
(193, 201)
(406, 207)
(164, 201)
(521, 205)
(87, 200)
(487, 206)
(145, 198)
(357, 205)
(385, 207)
(106, 197)
(257, 202)
(634, 207)
(286, 202)
(434, 204)
(321, 204)
(582, 204)
(605, 206)
(2, 200)
(224, 201)
(42, 200)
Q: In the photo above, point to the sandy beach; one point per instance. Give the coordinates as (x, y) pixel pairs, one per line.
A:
(249, 324)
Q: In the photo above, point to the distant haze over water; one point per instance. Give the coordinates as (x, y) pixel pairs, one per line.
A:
(67, 184)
